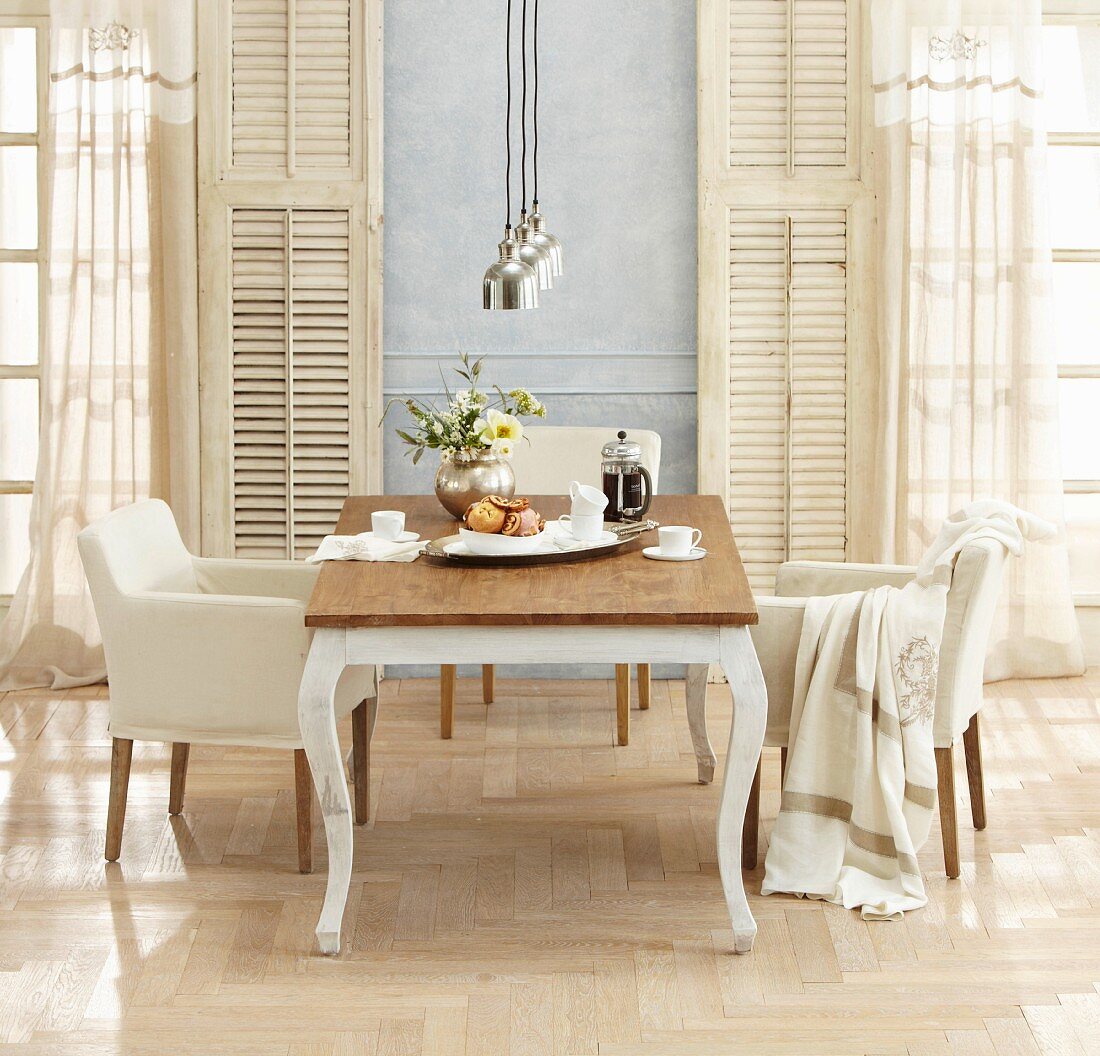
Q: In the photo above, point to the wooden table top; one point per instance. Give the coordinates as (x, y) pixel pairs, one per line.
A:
(622, 587)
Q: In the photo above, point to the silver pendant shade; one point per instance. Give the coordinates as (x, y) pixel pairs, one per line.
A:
(530, 259)
(541, 237)
(510, 282)
(530, 252)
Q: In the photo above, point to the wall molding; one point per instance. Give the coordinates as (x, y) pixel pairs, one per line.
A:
(562, 372)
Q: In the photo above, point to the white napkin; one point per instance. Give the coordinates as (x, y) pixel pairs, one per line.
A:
(364, 547)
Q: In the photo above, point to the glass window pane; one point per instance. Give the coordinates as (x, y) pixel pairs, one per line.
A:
(1083, 536)
(18, 313)
(15, 513)
(1079, 411)
(1077, 312)
(1072, 69)
(18, 197)
(1075, 197)
(18, 428)
(18, 80)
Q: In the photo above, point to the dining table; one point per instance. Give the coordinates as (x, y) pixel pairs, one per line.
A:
(612, 608)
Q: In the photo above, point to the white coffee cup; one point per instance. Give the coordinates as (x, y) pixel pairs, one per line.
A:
(678, 540)
(387, 524)
(586, 499)
(583, 526)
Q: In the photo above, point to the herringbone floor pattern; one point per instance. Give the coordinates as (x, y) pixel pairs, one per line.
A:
(527, 888)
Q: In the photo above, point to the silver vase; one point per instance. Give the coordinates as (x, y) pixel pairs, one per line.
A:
(465, 478)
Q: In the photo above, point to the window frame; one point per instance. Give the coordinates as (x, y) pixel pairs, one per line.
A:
(31, 16)
(1075, 13)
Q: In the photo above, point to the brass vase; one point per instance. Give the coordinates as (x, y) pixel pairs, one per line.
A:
(468, 476)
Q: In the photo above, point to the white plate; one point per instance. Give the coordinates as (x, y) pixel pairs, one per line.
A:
(554, 538)
(654, 554)
(404, 537)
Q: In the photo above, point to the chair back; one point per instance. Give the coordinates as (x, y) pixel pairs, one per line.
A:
(135, 548)
(971, 608)
(559, 454)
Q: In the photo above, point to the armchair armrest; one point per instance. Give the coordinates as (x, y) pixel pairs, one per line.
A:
(818, 579)
(268, 579)
(219, 664)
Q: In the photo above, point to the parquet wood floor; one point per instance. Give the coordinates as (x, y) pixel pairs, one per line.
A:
(527, 888)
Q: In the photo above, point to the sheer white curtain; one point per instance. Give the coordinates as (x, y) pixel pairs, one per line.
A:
(968, 396)
(121, 297)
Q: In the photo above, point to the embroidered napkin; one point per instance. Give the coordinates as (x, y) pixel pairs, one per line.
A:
(364, 547)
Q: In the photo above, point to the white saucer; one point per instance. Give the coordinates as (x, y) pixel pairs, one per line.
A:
(404, 537)
(654, 554)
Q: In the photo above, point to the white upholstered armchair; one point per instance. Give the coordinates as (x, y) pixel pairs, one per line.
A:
(971, 603)
(206, 651)
(546, 462)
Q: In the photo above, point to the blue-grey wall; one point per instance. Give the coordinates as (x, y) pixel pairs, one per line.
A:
(614, 342)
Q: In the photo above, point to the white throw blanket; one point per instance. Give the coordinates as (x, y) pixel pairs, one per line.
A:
(860, 785)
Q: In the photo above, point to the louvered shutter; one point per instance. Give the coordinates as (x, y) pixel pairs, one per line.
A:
(291, 80)
(787, 386)
(788, 71)
(291, 379)
(289, 208)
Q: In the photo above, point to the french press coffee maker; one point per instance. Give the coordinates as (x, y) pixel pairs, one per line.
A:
(626, 482)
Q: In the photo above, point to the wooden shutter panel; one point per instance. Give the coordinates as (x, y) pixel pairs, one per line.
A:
(290, 213)
(291, 377)
(291, 85)
(787, 377)
(320, 321)
(788, 73)
(260, 390)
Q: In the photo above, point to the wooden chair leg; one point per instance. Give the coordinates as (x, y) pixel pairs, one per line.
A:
(750, 834)
(622, 702)
(948, 825)
(362, 719)
(180, 754)
(122, 751)
(448, 676)
(303, 798)
(972, 749)
(488, 683)
(643, 686)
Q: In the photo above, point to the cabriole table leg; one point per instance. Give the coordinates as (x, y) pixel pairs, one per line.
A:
(750, 714)
(317, 719)
(695, 690)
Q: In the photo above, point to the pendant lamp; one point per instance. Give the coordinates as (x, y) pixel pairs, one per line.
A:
(530, 252)
(509, 282)
(538, 233)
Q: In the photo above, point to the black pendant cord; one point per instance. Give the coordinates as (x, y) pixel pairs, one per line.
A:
(523, 114)
(508, 123)
(535, 114)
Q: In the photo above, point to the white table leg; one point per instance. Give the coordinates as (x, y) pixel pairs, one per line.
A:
(696, 691)
(750, 715)
(317, 719)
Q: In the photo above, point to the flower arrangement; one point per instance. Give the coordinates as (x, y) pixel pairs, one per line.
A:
(472, 421)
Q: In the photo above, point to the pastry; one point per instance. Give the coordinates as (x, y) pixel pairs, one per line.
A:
(485, 516)
(494, 515)
(514, 504)
(522, 522)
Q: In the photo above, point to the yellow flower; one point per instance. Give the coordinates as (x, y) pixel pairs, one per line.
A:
(503, 447)
(503, 427)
